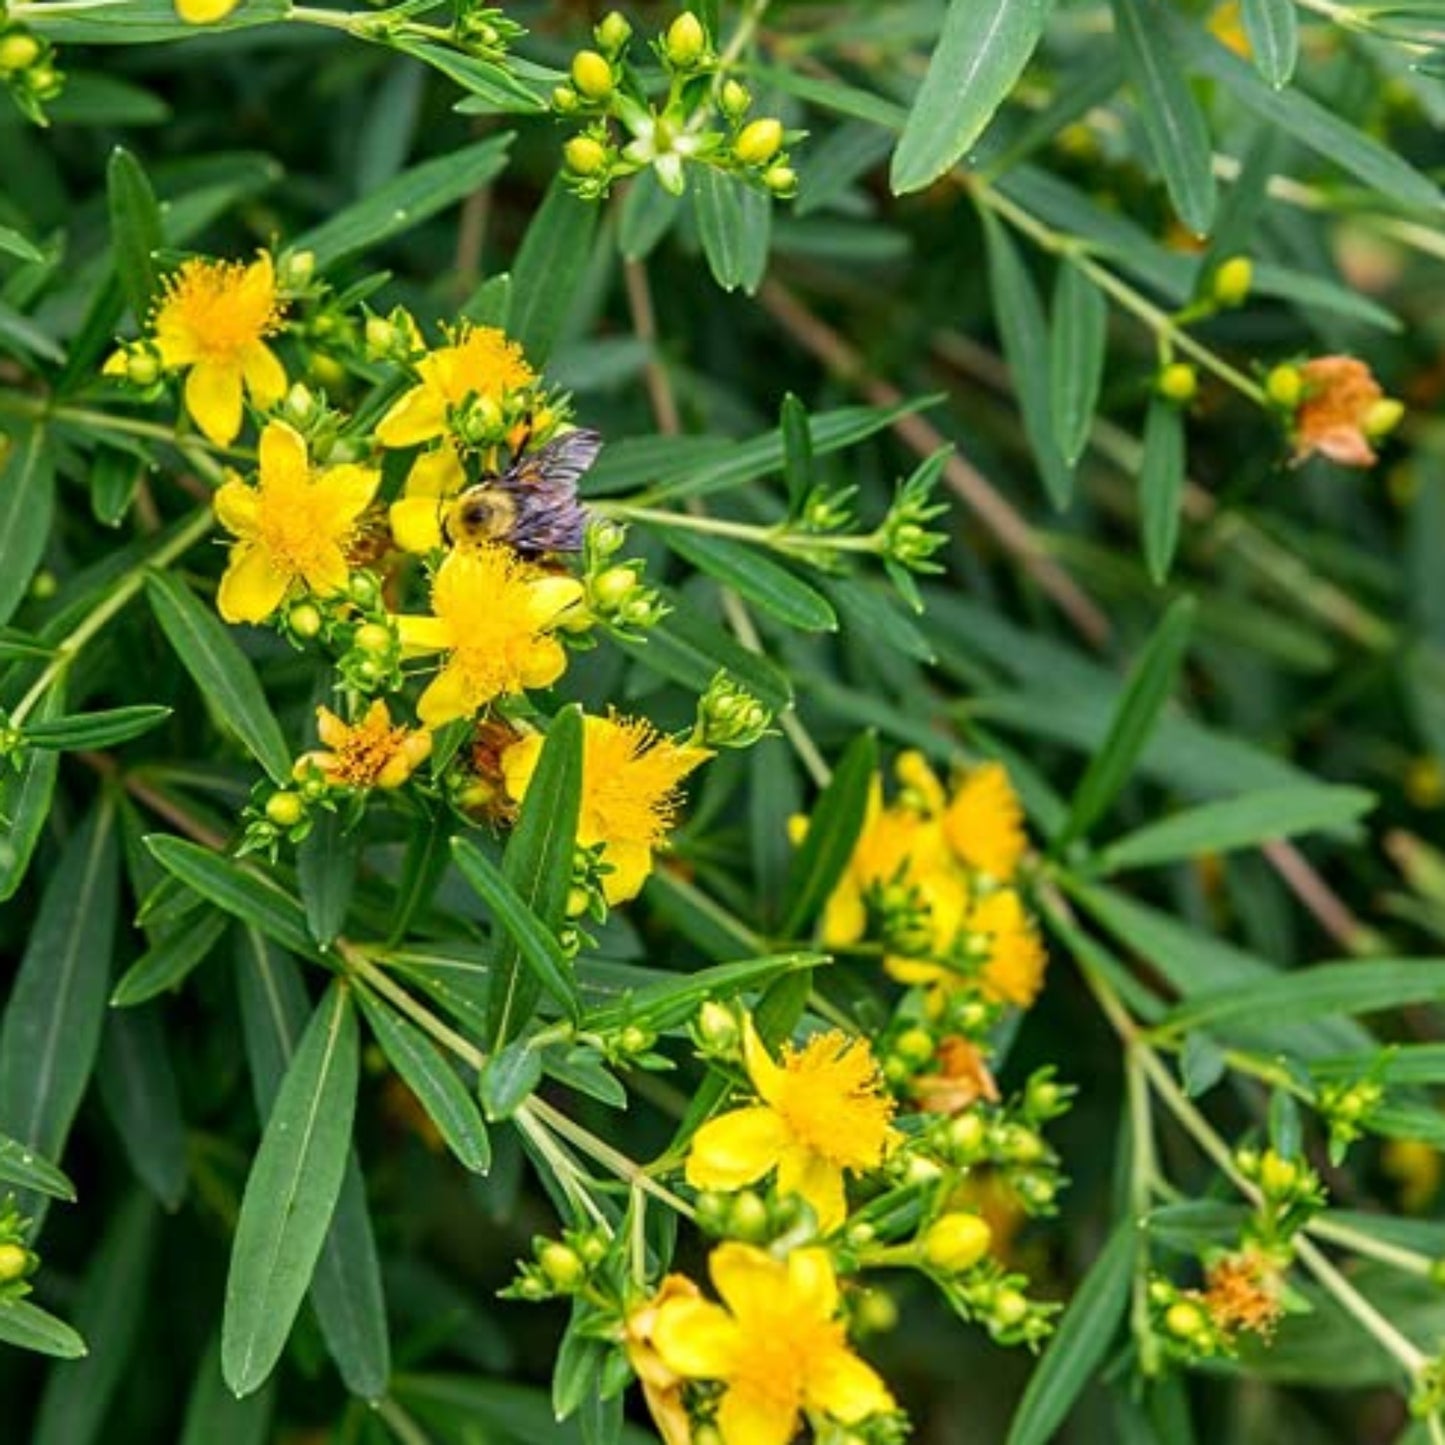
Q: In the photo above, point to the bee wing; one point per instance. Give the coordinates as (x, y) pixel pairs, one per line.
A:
(562, 462)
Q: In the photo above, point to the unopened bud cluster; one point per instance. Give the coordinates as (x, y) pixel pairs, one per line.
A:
(729, 716)
(28, 69)
(560, 1267)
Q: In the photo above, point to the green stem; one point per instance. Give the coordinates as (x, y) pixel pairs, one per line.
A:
(109, 606)
(401, 1425)
(777, 539)
(1142, 1169)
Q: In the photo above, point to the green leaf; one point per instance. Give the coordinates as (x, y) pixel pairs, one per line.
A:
(1020, 320)
(508, 1079)
(1076, 357)
(456, 1405)
(138, 1089)
(144, 22)
(1150, 684)
(1161, 484)
(95, 729)
(1202, 1064)
(492, 90)
(326, 864)
(538, 866)
(219, 668)
(833, 829)
(75, 1406)
(25, 794)
(648, 213)
(214, 1416)
(1306, 120)
(51, 1030)
(549, 270)
(169, 961)
(238, 888)
(291, 1195)
(980, 55)
(535, 943)
(27, 504)
(405, 201)
(32, 1328)
(135, 226)
(1273, 30)
(1326, 988)
(665, 1005)
(346, 1289)
(734, 221)
(428, 853)
(797, 452)
(114, 476)
(1242, 822)
(14, 244)
(754, 577)
(433, 1080)
(23, 1167)
(1172, 118)
(1082, 1340)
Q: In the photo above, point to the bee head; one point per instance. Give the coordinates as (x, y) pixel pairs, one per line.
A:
(482, 513)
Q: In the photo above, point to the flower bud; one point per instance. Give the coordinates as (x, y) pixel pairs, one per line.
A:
(1178, 382)
(686, 41)
(967, 1136)
(782, 181)
(635, 1040)
(562, 1265)
(564, 100)
(296, 269)
(614, 587)
(1277, 1175)
(15, 1262)
(612, 32)
(300, 406)
(748, 1219)
(1184, 1320)
(592, 75)
(1010, 1308)
(142, 365)
(19, 50)
(305, 621)
(579, 900)
(379, 335)
(735, 99)
(955, 1242)
(585, 156)
(759, 142)
(1383, 417)
(1284, 386)
(285, 809)
(875, 1313)
(373, 637)
(717, 1026)
(1232, 281)
(44, 585)
(914, 1046)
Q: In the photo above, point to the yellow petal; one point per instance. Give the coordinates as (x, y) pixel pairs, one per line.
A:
(545, 662)
(415, 749)
(213, 398)
(235, 505)
(446, 698)
(845, 917)
(519, 762)
(816, 1180)
(347, 489)
(436, 474)
(766, 1076)
(812, 1282)
(251, 589)
(418, 416)
(756, 1417)
(264, 374)
(416, 524)
(549, 597)
(420, 635)
(204, 12)
(842, 1385)
(695, 1338)
(282, 454)
(915, 970)
(751, 1282)
(327, 571)
(331, 729)
(631, 863)
(735, 1149)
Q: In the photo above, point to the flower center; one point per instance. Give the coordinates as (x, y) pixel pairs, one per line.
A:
(297, 528)
(220, 307)
(830, 1099)
(631, 780)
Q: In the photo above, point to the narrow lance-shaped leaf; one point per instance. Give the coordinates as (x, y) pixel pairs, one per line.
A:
(21, 1166)
(549, 269)
(1273, 30)
(27, 505)
(538, 865)
(1172, 118)
(138, 1088)
(734, 222)
(95, 729)
(1080, 1343)
(29, 1327)
(1076, 357)
(797, 453)
(220, 670)
(25, 794)
(1147, 690)
(291, 1194)
(135, 224)
(837, 820)
(980, 55)
(1161, 484)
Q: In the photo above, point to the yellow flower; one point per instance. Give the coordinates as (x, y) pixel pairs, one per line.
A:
(821, 1112)
(630, 778)
(494, 617)
(777, 1347)
(661, 1385)
(214, 318)
(416, 516)
(371, 753)
(293, 527)
(480, 363)
(984, 823)
(1013, 968)
(204, 12)
(1333, 419)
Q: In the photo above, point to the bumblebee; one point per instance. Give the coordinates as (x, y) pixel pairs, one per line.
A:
(532, 506)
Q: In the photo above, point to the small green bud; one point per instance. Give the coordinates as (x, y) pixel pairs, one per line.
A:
(585, 156)
(285, 809)
(1285, 387)
(717, 1026)
(364, 589)
(1178, 382)
(955, 1242)
(635, 1040)
(1185, 1321)
(914, 1046)
(19, 50)
(748, 1218)
(612, 33)
(782, 181)
(967, 1136)
(562, 1266)
(686, 41)
(759, 142)
(1010, 1308)
(1232, 281)
(564, 100)
(374, 638)
(305, 621)
(736, 99)
(592, 75)
(1383, 417)
(614, 587)
(296, 270)
(300, 407)
(15, 1262)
